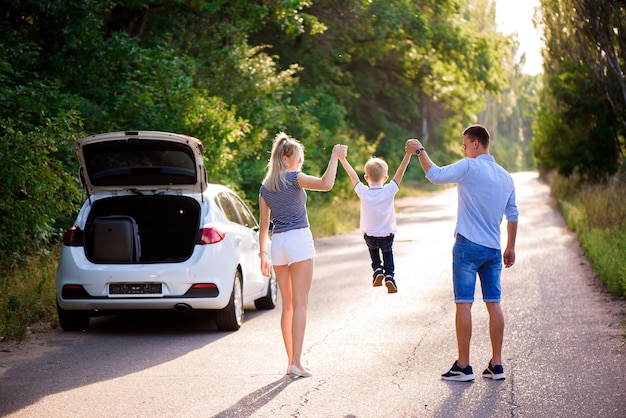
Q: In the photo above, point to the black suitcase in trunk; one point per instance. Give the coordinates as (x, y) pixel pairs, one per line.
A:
(116, 239)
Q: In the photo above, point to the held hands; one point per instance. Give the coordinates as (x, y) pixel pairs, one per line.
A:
(340, 151)
(412, 145)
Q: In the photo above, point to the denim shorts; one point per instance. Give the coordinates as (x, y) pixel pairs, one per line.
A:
(469, 260)
(292, 246)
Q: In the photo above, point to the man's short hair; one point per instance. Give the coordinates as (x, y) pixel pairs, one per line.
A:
(479, 133)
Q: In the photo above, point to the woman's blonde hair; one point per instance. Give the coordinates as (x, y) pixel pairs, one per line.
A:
(284, 146)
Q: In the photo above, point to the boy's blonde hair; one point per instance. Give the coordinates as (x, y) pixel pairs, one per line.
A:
(376, 169)
(284, 145)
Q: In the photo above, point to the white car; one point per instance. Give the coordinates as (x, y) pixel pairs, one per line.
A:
(153, 235)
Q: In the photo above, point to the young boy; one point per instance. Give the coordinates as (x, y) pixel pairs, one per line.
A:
(378, 218)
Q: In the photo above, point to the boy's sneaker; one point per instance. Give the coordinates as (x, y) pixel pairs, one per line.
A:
(495, 372)
(378, 278)
(391, 285)
(458, 374)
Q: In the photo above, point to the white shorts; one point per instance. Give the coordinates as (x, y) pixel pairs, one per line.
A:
(292, 246)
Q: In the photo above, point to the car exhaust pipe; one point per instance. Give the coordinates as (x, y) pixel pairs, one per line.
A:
(182, 307)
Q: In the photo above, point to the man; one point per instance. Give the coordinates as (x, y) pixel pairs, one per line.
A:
(486, 194)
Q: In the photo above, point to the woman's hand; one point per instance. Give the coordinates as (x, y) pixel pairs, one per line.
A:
(326, 182)
(265, 265)
(340, 151)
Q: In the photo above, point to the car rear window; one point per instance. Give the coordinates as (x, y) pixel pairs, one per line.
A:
(139, 162)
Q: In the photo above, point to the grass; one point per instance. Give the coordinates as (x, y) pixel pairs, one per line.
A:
(597, 213)
(606, 248)
(28, 297)
(333, 218)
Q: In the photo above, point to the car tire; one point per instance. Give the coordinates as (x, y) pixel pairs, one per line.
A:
(231, 317)
(73, 320)
(269, 300)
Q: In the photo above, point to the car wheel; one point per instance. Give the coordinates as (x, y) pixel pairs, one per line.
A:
(231, 317)
(269, 300)
(73, 320)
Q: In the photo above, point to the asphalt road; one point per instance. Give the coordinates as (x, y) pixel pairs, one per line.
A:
(372, 354)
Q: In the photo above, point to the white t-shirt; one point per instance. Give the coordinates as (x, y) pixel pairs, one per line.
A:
(378, 218)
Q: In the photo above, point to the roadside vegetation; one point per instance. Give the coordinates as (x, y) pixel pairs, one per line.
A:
(28, 297)
(580, 127)
(597, 213)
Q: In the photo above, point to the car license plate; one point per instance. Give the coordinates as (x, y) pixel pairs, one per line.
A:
(135, 289)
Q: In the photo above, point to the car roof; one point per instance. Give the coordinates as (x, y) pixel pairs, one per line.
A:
(141, 160)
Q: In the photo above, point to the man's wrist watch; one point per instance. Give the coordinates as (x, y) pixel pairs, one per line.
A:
(419, 151)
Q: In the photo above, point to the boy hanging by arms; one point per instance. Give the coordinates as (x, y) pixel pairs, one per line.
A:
(378, 219)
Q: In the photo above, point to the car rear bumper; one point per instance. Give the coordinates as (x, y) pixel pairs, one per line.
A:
(165, 303)
(92, 286)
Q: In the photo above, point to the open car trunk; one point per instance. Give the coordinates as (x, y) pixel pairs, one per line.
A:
(142, 229)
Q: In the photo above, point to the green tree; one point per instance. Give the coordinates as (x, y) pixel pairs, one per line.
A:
(365, 73)
(39, 193)
(510, 113)
(580, 128)
(395, 68)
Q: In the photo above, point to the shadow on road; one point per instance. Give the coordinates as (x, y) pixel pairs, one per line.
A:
(450, 407)
(113, 346)
(257, 399)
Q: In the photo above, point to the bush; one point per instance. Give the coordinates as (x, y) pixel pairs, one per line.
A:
(36, 173)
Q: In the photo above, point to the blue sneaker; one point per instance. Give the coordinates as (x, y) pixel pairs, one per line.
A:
(378, 278)
(459, 374)
(391, 284)
(494, 371)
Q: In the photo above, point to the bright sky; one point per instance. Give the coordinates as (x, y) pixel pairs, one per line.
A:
(517, 16)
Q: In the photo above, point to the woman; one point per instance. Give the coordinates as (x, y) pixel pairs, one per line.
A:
(282, 196)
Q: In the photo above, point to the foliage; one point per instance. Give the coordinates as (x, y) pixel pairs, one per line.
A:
(368, 74)
(392, 66)
(581, 126)
(509, 116)
(35, 171)
(232, 74)
(599, 39)
(579, 135)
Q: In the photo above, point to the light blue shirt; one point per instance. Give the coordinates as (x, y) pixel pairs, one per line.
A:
(486, 194)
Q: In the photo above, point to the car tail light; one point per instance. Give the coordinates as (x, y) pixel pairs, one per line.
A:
(73, 237)
(211, 235)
